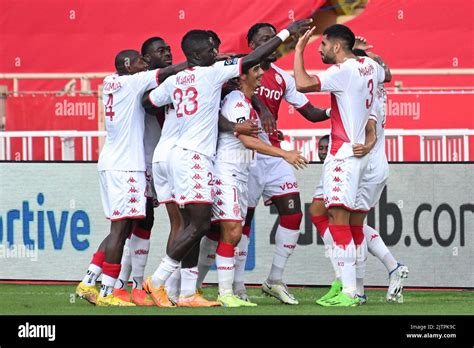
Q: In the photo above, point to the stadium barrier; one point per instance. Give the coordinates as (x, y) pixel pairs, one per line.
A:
(441, 145)
(50, 228)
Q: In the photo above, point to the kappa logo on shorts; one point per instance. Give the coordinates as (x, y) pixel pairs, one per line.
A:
(133, 200)
(196, 157)
(336, 189)
(182, 198)
(132, 190)
(198, 196)
(132, 180)
(337, 179)
(218, 182)
(221, 213)
(116, 213)
(196, 166)
(335, 198)
(198, 186)
(133, 211)
(338, 169)
(218, 192)
(197, 177)
(219, 202)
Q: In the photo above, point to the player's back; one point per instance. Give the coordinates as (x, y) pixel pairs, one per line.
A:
(353, 86)
(124, 121)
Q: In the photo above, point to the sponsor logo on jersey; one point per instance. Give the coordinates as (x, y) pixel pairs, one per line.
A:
(269, 93)
(218, 192)
(241, 120)
(221, 213)
(182, 198)
(219, 202)
(336, 189)
(289, 186)
(231, 61)
(335, 198)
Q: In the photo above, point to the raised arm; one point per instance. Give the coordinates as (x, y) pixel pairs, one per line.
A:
(271, 45)
(166, 72)
(304, 82)
(388, 73)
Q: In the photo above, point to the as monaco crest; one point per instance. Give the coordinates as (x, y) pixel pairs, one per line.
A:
(236, 209)
(278, 79)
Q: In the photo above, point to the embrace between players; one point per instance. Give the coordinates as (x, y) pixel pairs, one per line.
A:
(204, 169)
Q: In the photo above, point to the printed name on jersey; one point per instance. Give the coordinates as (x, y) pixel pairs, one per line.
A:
(365, 71)
(231, 61)
(241, 120)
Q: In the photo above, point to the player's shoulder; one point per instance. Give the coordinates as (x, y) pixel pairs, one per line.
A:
(112, 83)
(234, 97)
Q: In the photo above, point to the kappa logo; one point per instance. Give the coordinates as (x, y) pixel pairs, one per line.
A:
(337, 179)
(219, 202)
(221, 213)
(198, 196)
(197, 177)
(133, 200)
(239, 105)
(132, 180)
(198, 186)
(338, 169)
(133, 211)
(218, 192)
(116, 213)
(335, 198)
(336, 189)
(197, 166)
(289, 186)
(218, 182)
(132, 190)
(182, 198)
(141, 252)
(375, 235)
(196, 157)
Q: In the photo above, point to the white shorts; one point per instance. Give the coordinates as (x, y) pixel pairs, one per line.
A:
(191, 175)
(123, 194)
(163, 188)
(372, 184)
(150, 192)
(319, 192)
(270, 177)
(231, 198)
(341, 181)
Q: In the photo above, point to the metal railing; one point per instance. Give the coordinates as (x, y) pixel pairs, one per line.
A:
(447, 145)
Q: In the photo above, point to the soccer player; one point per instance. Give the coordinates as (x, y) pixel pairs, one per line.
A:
(121, 169)
(352, 82)
(231, 170)
(323, 146)
(157, 54)
(195, 94)
(272, 177)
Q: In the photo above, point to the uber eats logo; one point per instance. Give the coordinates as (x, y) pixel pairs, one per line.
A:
(35, 226)
(440, 224)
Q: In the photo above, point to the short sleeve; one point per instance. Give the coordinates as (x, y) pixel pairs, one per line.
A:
(291, 95)
(333, 79)
(161, 96)
(225, 70)
(235, 108)
(143, 81)
(380, 72)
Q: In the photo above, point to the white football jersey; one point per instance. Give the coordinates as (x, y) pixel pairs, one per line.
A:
(378, 112)
(353, 86)
(195, 93)
(124, 120)
(151, 137)
(231, 153)
(169, 135)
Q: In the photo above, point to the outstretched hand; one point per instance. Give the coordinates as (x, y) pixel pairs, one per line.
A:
(299, 26)
(361, 44)
(303, 41)
(295, 158)
(248, 127)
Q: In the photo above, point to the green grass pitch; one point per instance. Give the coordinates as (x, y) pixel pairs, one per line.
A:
(23, 299)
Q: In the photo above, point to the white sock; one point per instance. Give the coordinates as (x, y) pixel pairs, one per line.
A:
(346, 259)
(207, 255)
(139, 249)
(329, 247)
(378, 248)
(225, 263)
(360, 267)
(126, 268)
(240, 260)
(285, 243)
(107, 285)
(93, 272)
(188, 281)
(173, 284)
(164, 271)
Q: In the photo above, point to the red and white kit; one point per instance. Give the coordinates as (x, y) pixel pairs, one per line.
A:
(353, 86)
(232, 163)
(169, 135)
(376, 174)
(195, 94)
(273, 176)
(150, 141)
(122, 159)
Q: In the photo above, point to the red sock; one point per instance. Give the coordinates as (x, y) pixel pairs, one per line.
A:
(98, 258)
(341, 234)
(246, 231)
(357, 234)
(321, 223)
(141, 233)
(111, 269)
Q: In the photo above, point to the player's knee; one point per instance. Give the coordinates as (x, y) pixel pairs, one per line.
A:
(291, 221)
(147, 222)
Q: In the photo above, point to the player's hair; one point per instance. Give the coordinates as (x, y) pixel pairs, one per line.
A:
(193, 41)
(122, 56)
(343, 33)
(255, 28)
(147, 44)
(215, 38)
(324, 137)
(359, 53)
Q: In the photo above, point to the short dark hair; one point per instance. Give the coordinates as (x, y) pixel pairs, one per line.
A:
(122, 56)
(359, 53)
(194, 40)
(255, 28)
(324, 137)
(147, 44)
(214, 37)
(343, 33)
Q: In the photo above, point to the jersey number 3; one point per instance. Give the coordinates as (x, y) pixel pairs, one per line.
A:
(190, 105)
(370, 85)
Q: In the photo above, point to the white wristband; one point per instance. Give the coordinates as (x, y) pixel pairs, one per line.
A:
(284, 34)
(328, 112)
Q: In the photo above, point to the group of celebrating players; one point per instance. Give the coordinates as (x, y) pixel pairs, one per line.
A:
(200, 138)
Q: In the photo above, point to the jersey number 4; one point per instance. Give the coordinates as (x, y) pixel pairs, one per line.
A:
(108, 107)
(189, 105)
